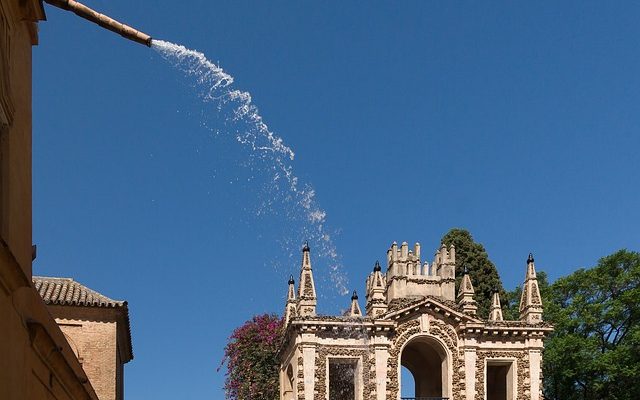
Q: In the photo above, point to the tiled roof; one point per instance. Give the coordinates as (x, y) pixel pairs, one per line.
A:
(66, 291)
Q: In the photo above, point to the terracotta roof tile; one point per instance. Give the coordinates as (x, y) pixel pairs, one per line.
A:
(66, 291)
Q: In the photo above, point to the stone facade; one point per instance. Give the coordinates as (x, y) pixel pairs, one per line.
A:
(413, 319)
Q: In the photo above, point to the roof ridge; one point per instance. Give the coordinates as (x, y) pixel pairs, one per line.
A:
(67, 291)
(53, 277)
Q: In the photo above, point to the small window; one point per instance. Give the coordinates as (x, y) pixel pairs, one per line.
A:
(500, 385)
(342, 379)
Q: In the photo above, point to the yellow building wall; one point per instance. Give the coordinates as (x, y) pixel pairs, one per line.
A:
(36, 362)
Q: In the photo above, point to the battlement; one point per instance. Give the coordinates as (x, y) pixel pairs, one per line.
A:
(408, 276)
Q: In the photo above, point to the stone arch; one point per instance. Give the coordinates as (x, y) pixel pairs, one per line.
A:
(429, 361)
(440, 331)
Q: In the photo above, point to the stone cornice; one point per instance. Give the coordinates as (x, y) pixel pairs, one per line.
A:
(505, 329)
(343, 324)
(435, 306)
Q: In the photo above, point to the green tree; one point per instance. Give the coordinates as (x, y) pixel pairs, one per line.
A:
(594, 352)
(252, 361)
(482, 272)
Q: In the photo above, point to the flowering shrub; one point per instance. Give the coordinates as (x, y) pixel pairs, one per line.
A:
(251, 358)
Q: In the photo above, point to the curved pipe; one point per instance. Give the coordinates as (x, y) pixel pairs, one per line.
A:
(104, 21)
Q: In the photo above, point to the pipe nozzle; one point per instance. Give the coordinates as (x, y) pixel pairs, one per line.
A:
(104, 21)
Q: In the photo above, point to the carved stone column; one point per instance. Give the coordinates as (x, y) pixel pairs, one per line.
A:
(470, 358)
(309, 368)
(382, 356)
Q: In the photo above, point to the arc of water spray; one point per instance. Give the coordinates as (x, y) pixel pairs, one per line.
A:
(218, 88)
(215, 85)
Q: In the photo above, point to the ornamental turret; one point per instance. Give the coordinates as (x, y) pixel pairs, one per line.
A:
(407, 276)
(376, 298)
(446, 261)
(531, 302)
(307, 300)
(354, 311)
(465, 295)
(445, 267)
(495, 312)
(290, 307)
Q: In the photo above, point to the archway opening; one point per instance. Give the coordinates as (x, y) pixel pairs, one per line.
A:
(426, 360)
(408, 389)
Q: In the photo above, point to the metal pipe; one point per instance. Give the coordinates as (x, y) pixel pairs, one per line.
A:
(102, 20)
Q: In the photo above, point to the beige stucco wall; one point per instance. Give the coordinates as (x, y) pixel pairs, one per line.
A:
(15, 134)
(36, 361)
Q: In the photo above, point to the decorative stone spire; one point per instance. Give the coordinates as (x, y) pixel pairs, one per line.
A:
(291, 296)
(307, 299)
(465, 295)
(531, 302)
(495, 313)
(376, 296)
(355, 308)
(290, 308)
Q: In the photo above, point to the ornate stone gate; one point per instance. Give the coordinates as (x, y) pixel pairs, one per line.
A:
(413, 319)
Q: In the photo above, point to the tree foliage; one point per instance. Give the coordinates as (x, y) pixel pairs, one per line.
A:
(484, 275)
(594, 352)
(251, 358)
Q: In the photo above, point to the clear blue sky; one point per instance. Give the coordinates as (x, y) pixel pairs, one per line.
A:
(518, 121)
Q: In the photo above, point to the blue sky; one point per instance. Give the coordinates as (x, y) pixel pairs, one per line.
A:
(519, 122)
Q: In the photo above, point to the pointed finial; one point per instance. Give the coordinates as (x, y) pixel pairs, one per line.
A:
(377, 267)
(306, 246)
(354, 296)
(465, 270)
(495, 289)
(291, 281)
(530, 258)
